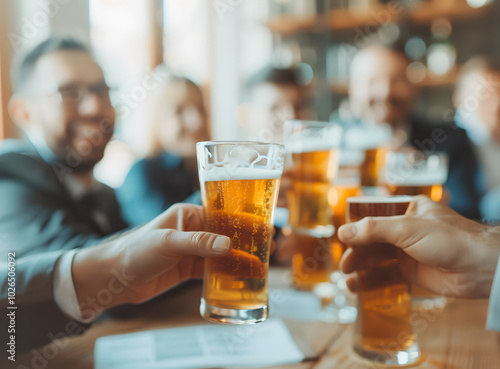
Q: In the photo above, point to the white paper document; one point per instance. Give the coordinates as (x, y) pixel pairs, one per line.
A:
(206, 346)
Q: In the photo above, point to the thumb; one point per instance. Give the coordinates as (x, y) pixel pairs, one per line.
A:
(204, 244)
(370, 230)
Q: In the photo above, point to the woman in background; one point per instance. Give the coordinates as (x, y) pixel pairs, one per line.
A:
(176, 119)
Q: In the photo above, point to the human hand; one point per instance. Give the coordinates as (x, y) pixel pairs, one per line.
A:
(440, 248)
(149, 260)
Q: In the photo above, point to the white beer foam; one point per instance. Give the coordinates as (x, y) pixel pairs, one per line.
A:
(238, 173)
(367, 137)
(298, 144)
(379, 199)
(426, 178)
(348, 158)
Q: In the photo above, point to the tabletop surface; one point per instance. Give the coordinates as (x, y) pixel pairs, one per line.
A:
(452, 338)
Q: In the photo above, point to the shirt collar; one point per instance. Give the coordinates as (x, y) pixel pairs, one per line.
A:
(76, 188)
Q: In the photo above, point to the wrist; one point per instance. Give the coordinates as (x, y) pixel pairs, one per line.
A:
(96, 280)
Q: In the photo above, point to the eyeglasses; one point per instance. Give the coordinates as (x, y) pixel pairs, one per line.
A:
(73, 94)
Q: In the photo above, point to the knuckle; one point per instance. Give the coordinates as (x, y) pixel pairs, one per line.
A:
(199, 240)
(368, 225)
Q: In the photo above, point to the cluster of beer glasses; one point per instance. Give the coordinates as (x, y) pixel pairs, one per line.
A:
(239, 186)
(418, 173)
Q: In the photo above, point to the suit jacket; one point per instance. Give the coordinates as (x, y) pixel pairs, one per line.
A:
(463, 181)
(39, 220)
(153, 185)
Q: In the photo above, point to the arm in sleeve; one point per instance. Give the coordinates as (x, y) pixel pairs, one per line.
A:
(38, 318)
(33, 221)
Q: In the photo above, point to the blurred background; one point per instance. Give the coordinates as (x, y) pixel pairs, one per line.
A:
(221, 44)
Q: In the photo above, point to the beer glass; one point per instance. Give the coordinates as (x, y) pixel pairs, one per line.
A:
(415, 173)
(383, 331)
(239, 184)
(373, 140)
(312, 163)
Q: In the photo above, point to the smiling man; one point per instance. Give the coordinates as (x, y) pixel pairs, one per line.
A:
(50, 199)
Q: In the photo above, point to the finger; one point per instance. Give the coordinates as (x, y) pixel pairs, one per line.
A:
(396, 230)
(362, 258)
(372, 230)
(352, 283)
(345, 263)
(175, 243)
(183, 217)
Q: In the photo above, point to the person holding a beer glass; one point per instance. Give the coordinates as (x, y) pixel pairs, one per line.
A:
(421, 243)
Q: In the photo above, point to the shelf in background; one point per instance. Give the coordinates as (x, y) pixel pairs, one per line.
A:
(341, 19)
(447, 80)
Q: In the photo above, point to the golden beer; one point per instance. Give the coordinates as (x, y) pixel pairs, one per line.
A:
(242, 210)
(239, 202)
(433, 191)
(312, 262)
(339, 201)
(383, 328)
(311, 182)
(372, 166)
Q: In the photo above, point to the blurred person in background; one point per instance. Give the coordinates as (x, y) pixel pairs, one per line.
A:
(50, 199)
(174, 120)
(273, 96)
(380, 92)
(477, 103)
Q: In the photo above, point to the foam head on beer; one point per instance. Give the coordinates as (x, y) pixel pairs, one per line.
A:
(367, 136)
(309, 136)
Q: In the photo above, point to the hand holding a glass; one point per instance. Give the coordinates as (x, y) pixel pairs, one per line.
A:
(440, 248)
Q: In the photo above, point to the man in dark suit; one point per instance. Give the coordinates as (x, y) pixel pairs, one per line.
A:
(51, 205)
(50, 199)
(380, 92)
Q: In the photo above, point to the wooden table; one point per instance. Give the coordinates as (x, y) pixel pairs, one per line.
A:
(453, 338)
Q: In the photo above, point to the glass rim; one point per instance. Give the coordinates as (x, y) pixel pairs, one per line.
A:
(239, 143)
(395, 199)
(425, 155)
(318, 123)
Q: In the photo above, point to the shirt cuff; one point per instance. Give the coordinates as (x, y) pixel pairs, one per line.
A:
(493, 321)
(64, 289)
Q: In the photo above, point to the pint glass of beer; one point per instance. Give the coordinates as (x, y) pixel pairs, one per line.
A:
(239, 184)
(415, 173)
(383, 332)
(312, 164)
